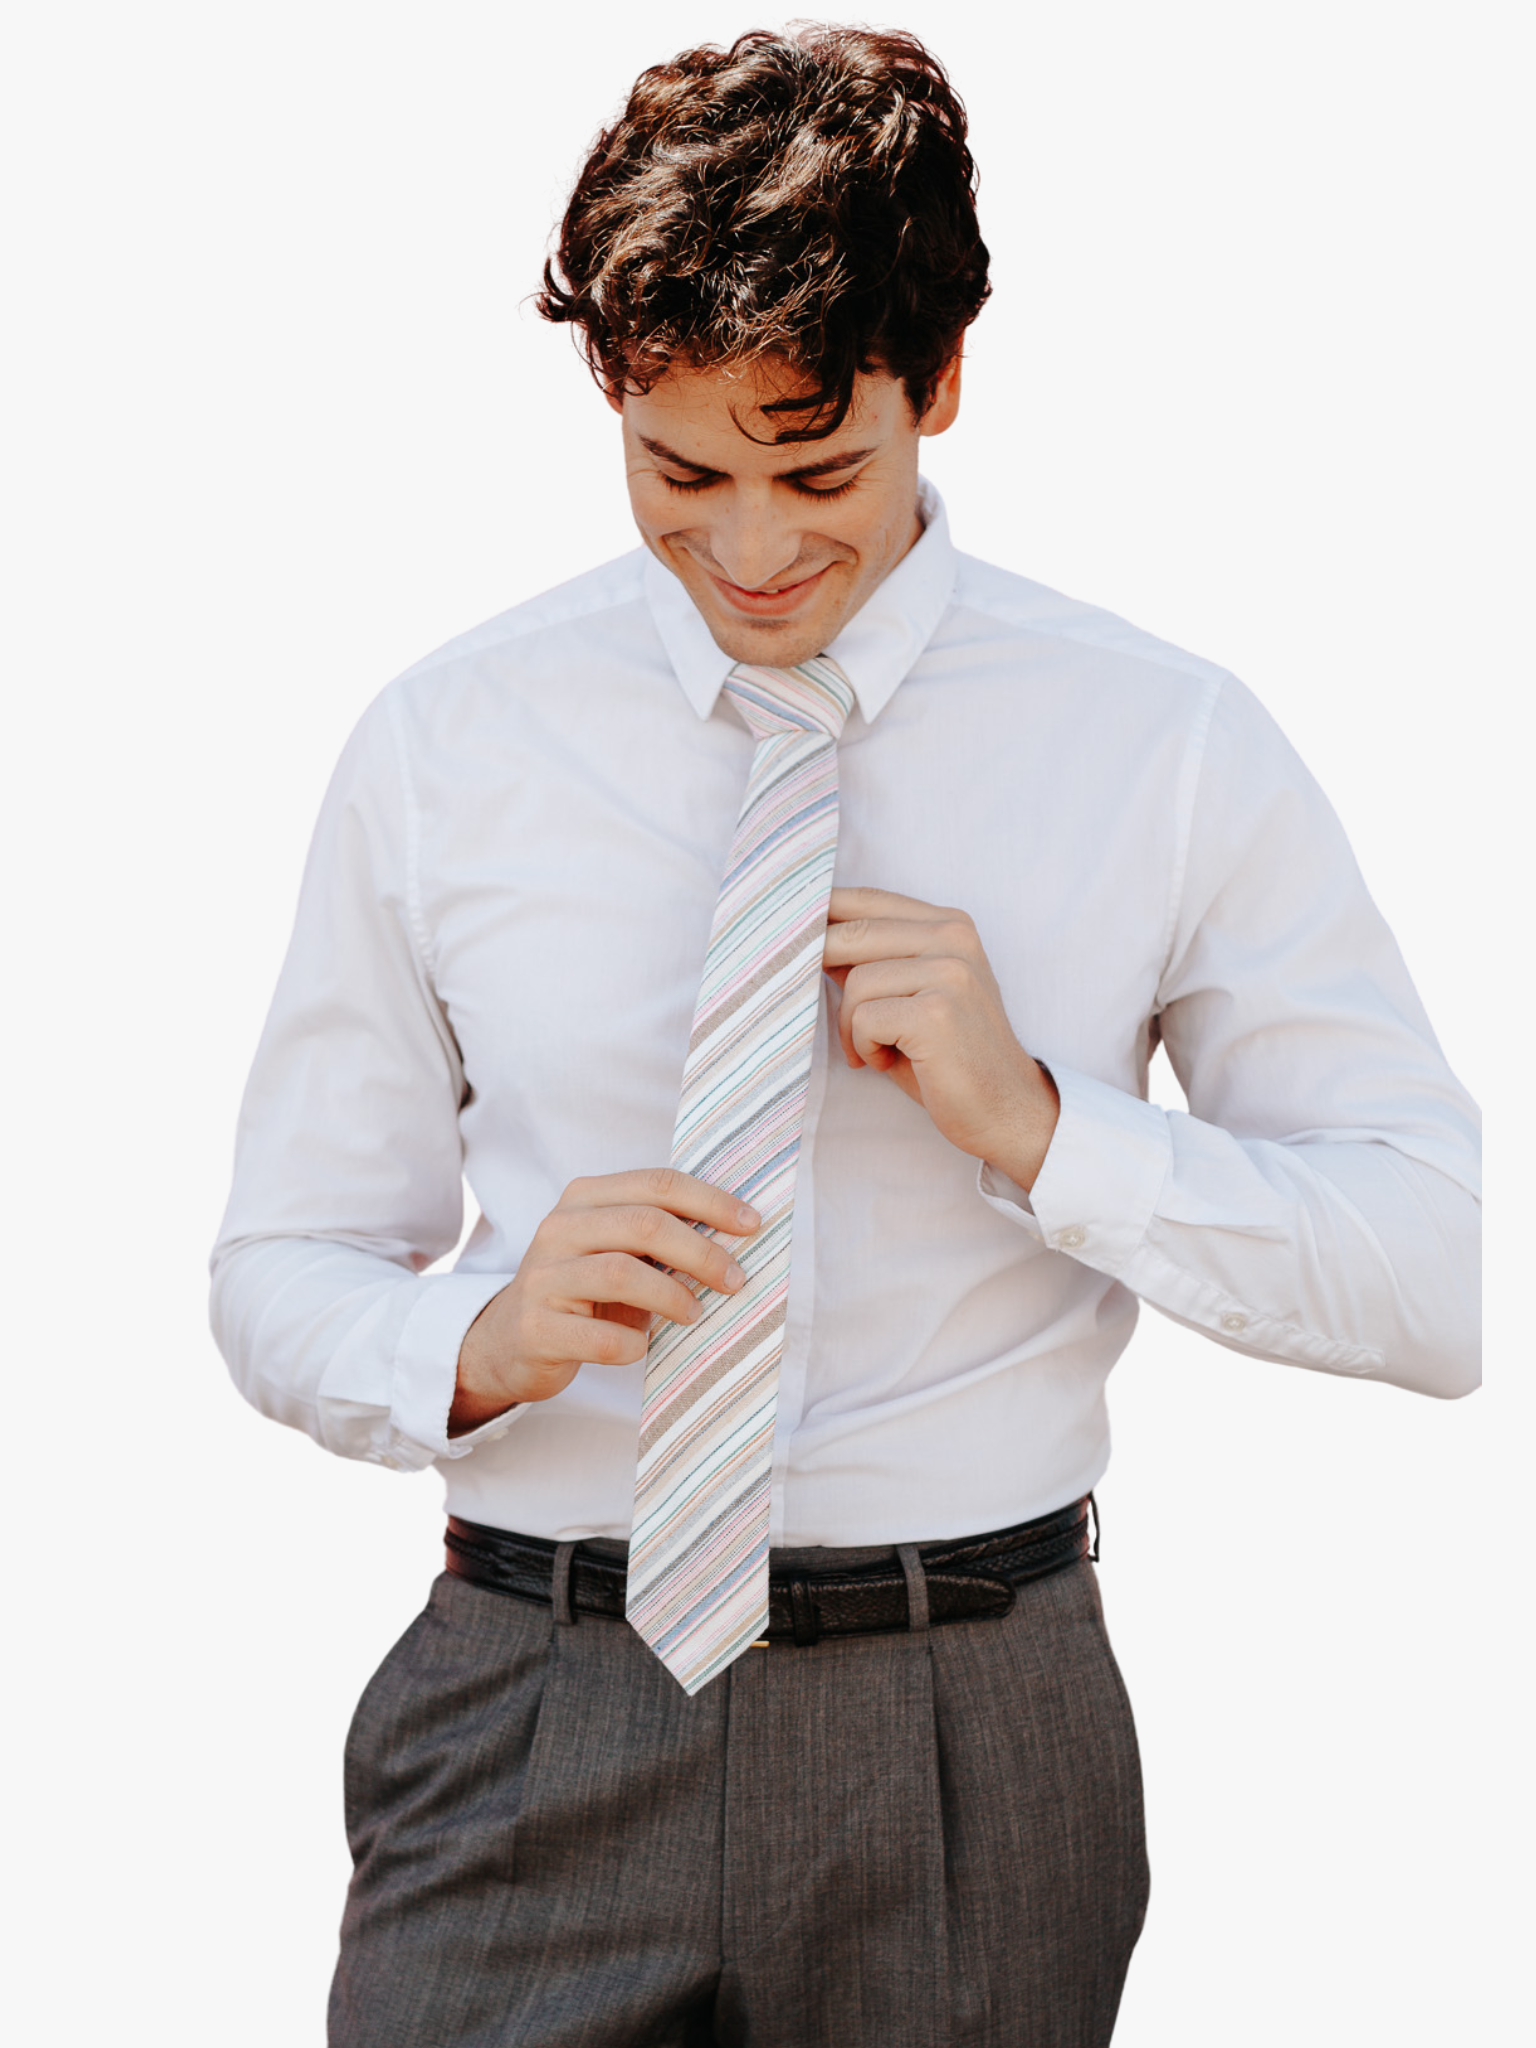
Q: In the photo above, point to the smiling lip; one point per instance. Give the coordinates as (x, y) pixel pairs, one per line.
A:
(768, 604)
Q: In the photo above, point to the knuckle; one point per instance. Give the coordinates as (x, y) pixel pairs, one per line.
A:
(543, 1246)
(542, 1340)
(606, 1343)
(574, 1190)
(603, 1272)
(646, 1224)
(661, 1182)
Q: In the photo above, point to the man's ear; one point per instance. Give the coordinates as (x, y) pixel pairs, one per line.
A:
(944, 406)
(614, 398)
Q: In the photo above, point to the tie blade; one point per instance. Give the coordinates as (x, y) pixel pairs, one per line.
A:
(700, 1619)
(693, 1679)
(698, 1559)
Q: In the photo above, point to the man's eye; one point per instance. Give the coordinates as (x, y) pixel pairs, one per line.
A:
(826, 490)
(677, 483)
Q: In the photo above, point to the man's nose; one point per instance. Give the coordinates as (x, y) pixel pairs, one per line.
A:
(751, 543)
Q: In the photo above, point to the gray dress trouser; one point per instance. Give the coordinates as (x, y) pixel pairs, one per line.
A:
(919, 1840)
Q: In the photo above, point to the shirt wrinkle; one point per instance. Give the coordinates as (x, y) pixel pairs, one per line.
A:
(494, 971)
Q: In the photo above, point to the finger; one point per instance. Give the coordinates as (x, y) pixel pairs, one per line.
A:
(664, 1187)
(649, 1234)
(602, 1277)
(879, 1028)
(871, 983)
(859, 939)
(621, 1312)
(846, 903)
(592, 1340)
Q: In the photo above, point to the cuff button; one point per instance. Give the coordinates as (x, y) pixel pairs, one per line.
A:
(1234, 1323)
(1070, 1239)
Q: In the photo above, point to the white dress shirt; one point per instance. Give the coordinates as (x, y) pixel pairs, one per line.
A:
(494, 968)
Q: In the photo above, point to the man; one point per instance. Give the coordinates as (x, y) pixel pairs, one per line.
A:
(767, 1697)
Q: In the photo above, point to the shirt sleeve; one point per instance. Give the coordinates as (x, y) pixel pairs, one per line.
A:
(348, 1165)
(1319, 1204)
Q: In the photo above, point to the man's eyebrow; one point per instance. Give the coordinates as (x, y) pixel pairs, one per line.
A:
(829, 463)
(825, 467)
(665, 454)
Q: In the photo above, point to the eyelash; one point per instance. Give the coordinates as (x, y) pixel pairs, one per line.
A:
(702, 483)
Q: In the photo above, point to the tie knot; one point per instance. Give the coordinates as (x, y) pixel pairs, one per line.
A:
(815, 696)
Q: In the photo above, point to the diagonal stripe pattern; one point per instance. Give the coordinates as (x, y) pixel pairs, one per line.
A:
(698, 1552)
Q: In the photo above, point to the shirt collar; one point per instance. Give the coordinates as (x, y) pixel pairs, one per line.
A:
(876, 648)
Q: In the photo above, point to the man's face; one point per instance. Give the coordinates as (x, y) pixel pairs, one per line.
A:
(778, 544)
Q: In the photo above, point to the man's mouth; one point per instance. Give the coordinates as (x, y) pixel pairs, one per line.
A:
(769, 604)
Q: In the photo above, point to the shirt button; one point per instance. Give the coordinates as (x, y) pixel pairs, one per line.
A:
(1071, 1238)
(1234, 1323)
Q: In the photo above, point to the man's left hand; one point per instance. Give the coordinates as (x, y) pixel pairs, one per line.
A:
(920, 1003)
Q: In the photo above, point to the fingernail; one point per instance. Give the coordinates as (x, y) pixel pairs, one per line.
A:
(747, 1216)
(734, 1275)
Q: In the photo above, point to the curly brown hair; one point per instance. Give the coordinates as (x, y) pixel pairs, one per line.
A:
(809, 196)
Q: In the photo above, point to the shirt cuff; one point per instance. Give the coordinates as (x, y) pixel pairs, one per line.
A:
(1098, 1189)
(426, 1370)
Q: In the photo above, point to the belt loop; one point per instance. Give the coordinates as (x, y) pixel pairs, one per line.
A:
(803, 1612)
(560, 1584)
(917, 1587)
(1093, 1509)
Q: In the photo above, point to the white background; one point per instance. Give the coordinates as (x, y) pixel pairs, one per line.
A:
(281, 419)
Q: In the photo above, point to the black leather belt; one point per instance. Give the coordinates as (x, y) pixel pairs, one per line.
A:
(972, 1579)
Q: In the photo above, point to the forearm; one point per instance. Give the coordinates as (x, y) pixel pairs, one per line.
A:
(1344, 1256)
(1353, 1258)
(352, 1348)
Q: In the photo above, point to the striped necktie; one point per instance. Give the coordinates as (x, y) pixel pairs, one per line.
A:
(698, 1554)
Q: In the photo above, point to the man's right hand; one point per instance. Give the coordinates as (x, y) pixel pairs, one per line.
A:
(590, 1283)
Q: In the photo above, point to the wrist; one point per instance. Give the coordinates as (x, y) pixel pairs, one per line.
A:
(481, 1391)
(470, 1410)
(1024, 1137)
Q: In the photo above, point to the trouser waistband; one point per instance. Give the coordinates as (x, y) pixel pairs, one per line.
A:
(925, 1585)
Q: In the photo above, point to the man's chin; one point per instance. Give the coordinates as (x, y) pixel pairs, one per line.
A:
(773, 643)
(770, 643)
